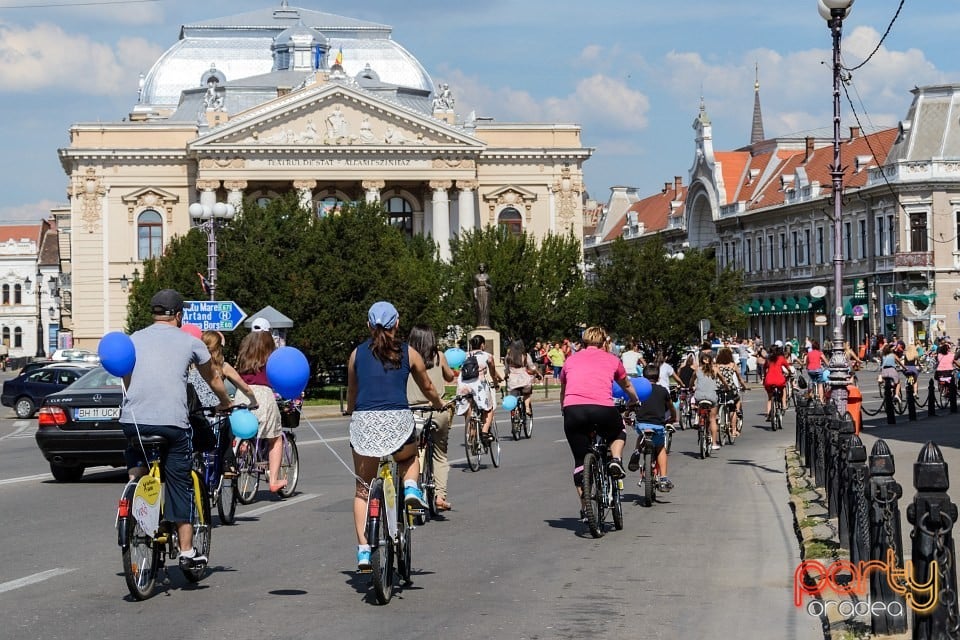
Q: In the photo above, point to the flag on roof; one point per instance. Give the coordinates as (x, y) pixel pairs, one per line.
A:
(339, 59)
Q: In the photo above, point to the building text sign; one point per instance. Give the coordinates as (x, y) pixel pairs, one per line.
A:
(339, 163)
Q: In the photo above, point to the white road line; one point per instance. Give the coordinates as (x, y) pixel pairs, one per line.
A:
(47, 476)
(279, 505)
(19, 431)
(304, 443)
(33, 579)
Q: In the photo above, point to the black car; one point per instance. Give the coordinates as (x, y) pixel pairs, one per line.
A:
(79, 427)
(26, 392)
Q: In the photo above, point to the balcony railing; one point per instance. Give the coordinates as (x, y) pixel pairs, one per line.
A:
(884, 263)
(914, 171)
(914, 259)
(678, 222)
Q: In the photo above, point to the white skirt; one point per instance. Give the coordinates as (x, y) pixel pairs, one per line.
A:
(480, 389)
(380, 433)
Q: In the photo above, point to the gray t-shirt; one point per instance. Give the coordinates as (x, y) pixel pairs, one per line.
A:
(158, 385)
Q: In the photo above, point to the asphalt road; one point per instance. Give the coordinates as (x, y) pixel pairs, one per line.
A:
(714, 559)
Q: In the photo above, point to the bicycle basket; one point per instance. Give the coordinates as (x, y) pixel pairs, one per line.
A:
(289, 414)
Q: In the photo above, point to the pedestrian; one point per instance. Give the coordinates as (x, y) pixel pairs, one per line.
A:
(557, 358)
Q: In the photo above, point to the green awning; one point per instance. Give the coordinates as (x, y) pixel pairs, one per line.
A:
(766, 306)
(803, 303)
(920, 300)
(779, 305)
(850, 305)
(819, 305)
(755, 308)
(791, 304)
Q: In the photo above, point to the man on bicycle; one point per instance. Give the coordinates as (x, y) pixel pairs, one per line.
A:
(651, 415)
(155, 403)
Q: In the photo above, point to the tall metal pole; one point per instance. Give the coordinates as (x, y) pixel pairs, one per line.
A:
(41, 352)
(839, 371)
(212, 257)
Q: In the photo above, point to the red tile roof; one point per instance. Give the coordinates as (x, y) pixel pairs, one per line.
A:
(733, 165)
(653, 212)
(18, 232)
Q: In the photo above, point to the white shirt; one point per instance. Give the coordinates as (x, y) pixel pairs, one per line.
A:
(666, 371)
(630, 361)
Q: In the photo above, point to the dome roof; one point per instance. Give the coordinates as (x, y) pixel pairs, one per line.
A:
(300, 33)
(240, 46)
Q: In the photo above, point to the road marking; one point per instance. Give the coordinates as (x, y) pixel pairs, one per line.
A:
(33, 579)
(304, 443)
(19, 432)
(280, 505)
(47, 476)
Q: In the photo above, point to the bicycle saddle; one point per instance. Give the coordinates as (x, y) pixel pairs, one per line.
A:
(148, 440)
(705, 404)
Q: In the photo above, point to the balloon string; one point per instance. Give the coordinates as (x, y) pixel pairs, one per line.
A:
(337, 456)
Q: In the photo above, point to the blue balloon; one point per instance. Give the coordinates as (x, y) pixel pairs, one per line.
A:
(643, 387)
(825, 376)
(509, 402)
(455, 357)
(243, 423)
(117, 354)
(288, 372)
(618, 392)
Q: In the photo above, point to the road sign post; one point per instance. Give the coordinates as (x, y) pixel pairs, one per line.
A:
(213, 315)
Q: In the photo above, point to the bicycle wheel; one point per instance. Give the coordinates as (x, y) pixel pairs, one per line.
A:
(702, 442)
(381, 549)
(616, 506)
(471, 442)
(593, 494)
(404, 548)
(669, 442)
(527, 425)
(141, 559)
(515, 426)
(248, 478)
(202, 530)
(778, 418)
(728, 426)
(648, 479)
(494, 446)
(428, 482)
(289, 465)
(227, 501)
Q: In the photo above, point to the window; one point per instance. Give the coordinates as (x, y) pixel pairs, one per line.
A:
(847, 240)
(862, 249)
(400, 214)
(6, 294)
(748, 255)
(918, 231)
(17, 294)
(18, 337)
(760, 253)
(149, 235)
(772, 249)
(330, 205)
(6, 336)
(881, 231)
(511, 220)
(783, 250)
(806, 246)
(891, 236)
(43, 376)
(958, 231)
(820, 247)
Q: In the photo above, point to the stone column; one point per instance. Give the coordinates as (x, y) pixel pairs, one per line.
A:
(208, 191)
(235, 192)
(305, 193)
(466, 204)
(418, 223)
(441, 216)
(372, 189)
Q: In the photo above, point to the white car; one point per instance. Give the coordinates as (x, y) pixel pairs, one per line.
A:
(75, 355)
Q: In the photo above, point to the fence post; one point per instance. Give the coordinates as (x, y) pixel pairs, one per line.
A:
(833, 461)
(888, 400)
(911, 401)
(932, 397)
(932, 515)
(953, 393)
(844, 502)
(820, 439)
(802, 407)
(886, 537)
(858, 533)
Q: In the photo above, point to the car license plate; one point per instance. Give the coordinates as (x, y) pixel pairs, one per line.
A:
(97, 413)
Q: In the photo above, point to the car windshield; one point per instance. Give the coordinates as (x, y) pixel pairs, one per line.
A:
(97, 378)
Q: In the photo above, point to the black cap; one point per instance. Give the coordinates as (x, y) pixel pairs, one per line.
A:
(166, 302)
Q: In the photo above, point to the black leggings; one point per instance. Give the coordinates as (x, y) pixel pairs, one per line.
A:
(580, 420)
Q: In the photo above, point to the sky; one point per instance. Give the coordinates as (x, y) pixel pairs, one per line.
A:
(631, 73)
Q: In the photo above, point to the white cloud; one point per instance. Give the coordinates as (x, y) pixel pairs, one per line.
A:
(45, 56)
(33, 212)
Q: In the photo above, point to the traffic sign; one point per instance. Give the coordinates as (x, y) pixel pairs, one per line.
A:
(889, 310)
(213, 315)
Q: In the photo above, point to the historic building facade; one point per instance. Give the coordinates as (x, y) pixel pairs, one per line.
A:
(252, 106)
(766, 209)
(29, 271)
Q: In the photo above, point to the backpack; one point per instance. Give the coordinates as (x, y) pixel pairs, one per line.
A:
(470, 370)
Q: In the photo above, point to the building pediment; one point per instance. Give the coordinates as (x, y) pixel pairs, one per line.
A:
(333, 117)
(510, 194)
(150, 197)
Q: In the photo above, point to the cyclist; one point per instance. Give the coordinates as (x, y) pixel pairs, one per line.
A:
(890, 366)
(774, 378)
(705, 388)
(911, 364)
(382, 422)
(587, 405)
(255, 350)
(814, 362)
(651, 415)
(666, 375)
(733, 382)
(155, 403)
(479, 388)
(521, 372)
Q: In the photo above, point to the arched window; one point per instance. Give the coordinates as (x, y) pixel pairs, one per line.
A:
(400, 214)
(149, 234)
(6, 336)
(6, 294)
(17, 294)
(263, 201)
(17, 337)
(331, 205)
(511, 220)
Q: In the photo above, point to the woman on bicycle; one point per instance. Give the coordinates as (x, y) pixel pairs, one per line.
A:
(424, 342)
(382, 423)
(255, 349)
(775, 378)
(706, 386)
(890, 366)
(814, 362)
(479, 388)
(587, 406)
(911, 365)
(730, 374)
(521, 372)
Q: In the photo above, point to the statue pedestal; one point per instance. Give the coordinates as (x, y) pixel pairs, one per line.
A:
(492, 338)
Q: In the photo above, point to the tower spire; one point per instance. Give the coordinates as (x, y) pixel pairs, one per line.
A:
(756, 132)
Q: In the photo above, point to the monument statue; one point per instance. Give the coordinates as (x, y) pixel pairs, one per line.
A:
(481, 294)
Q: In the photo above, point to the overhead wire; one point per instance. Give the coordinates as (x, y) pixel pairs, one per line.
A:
(91, 3)
(882, 38)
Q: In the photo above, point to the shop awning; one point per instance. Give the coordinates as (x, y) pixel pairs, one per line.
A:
(851, 307)
(803, 303)
(791, 304)
(766, 306)
(920, 300)
(818, 305)
(756, 307)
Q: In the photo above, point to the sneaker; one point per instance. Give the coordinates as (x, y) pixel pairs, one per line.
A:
(634, 463)
(486, 438)
(715, 447)
(665, 484)
(198, 561)
(363, 561)
(615, 468)
(583, 516)
(413, 497)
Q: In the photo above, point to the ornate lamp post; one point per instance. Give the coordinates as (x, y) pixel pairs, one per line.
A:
(834, 12)
(210, 218)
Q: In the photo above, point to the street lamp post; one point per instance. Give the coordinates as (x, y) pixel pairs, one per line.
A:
(211, 217)
(834, 11)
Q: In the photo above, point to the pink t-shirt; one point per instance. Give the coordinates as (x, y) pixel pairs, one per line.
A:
(588, 376)
(945, 362)
(814, 360)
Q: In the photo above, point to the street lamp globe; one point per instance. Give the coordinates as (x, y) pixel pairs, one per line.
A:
(196, 210)
(219, 210)
(826, 7)
(230, 212)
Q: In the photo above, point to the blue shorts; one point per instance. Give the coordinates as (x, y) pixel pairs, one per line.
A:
(659, 432)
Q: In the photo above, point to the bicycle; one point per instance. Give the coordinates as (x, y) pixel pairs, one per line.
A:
(600, 490)
(649, 468)
(210, 466)
(423, 418)
(943, 389)
(686, 410)
(145, 537)
(776, 410)
(252, 460)
(473, 443)
(520, 422)
(899, 405)
(725, 411)
(390, 540)
(704, 439)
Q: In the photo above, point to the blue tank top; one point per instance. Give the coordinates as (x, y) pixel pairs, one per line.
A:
(380, 388)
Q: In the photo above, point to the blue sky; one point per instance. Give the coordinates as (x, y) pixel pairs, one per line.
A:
(631, 72)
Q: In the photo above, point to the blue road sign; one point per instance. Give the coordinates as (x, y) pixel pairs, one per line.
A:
(213, 315)
(889, 310)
